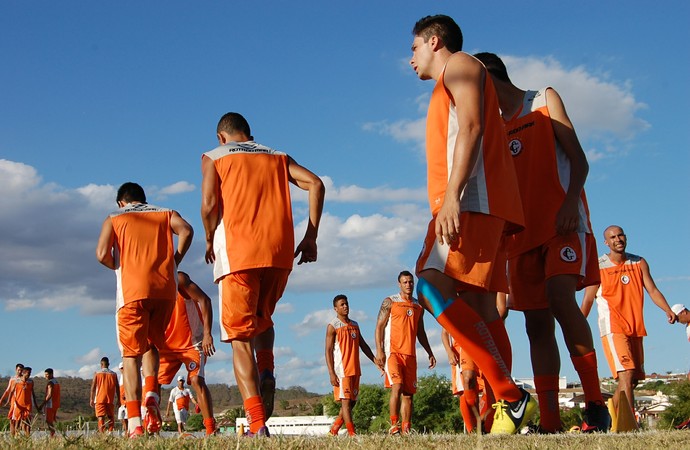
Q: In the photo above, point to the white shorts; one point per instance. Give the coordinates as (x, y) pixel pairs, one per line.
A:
(122, 413)
(181, 416)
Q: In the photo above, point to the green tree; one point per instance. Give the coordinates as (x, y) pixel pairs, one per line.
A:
(317, 409)
(195, 422)
(330, 406)
(435, 407)
(370, 403)
(679, 411)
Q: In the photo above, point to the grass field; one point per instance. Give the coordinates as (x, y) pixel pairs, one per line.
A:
(673, 440)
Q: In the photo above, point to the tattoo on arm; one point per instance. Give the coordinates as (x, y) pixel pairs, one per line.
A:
(385, 310)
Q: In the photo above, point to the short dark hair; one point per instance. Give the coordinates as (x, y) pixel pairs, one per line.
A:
(233, 122)
(131, 192)
(442, 26)
(19, 366)
(339, 297)
(494, 65)
(405, 273)
(49, 371)
(105, 360)
(27, 368)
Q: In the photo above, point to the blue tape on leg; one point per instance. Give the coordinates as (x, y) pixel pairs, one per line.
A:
(433, 296)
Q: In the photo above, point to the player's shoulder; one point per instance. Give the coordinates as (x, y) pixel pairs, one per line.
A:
(633, 258)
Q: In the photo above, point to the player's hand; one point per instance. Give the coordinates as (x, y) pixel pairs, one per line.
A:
(672, 318)
(334, 380)
(568, 217)
(453, 359)
(447, 225)
(432, 361)
(210, 256)
(307, 249)
(207, 345)
(380, 360)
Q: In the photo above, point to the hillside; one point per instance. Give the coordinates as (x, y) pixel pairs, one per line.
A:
(75, 398)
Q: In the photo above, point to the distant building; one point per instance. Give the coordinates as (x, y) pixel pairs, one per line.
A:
(294, 425)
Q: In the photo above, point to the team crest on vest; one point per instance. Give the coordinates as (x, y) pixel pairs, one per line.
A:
(515, 147)
(625, 279)
(353, 334)
(410, 312)
(568, 254)
(192, 365)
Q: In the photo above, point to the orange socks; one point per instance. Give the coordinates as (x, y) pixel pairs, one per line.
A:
(210, 425)
(265, 360)
(475, 337)
(547, 393)
(500, 335)
(467, 415)
(150, 385)
(350, 429)
(586, 367)
(336, 425)
(255, 413)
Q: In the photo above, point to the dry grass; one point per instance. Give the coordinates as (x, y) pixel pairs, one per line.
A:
(643, 441)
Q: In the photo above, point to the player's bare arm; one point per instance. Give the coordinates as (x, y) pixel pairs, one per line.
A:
(381, 322)
(93, 391)
(463, 78)
(424, 341)
(588, 299)
(190, 289)
(185, 234)
(104, 248)
(367, 350)
(654, 292)
(450, 351)
(210, 212)
(308, 181)
(330, 363)
(568, 216)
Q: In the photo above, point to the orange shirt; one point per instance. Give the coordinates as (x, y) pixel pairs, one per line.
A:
(401, 330)
(543, 174)
(54, 402)
(180, 398)
(346, 348)
(23, 394)
(492, 187)
(256, 229)
(106, 384)
(620, 299)
(186, 327)
(145, 253)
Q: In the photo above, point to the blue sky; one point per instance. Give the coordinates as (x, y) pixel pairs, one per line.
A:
(94, 95)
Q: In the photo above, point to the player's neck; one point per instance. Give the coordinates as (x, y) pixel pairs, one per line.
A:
(344, 319)
(618, 258)
(407, 297)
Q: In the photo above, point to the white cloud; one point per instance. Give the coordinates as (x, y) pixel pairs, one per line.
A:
(359, 194)
(176, 188)
(603, 111)
(313, 321)
(93, 356)
(284, 308)
(597, 106)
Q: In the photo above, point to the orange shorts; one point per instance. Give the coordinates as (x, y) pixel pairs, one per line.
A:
(624, 353)
(475, 259)
(572, 254)
(105, 410)
(142, 323)
(466, 364)
(11, 411)
(348, 389)
(193, 359)
(401, 369)
(20, 413)
(51, 414)
(247, 301)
